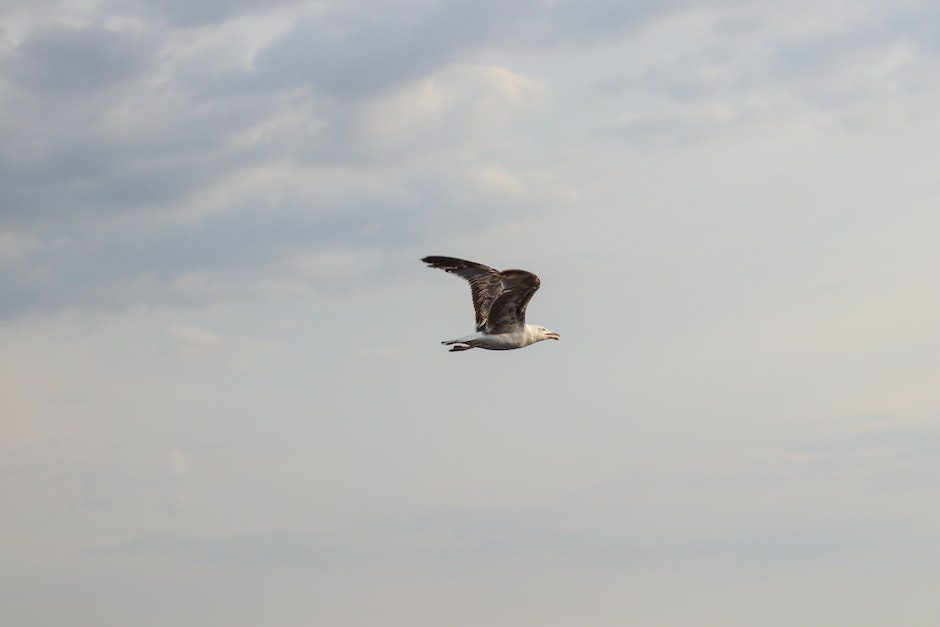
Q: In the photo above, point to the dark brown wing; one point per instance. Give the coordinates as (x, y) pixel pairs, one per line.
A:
(485, 283)
(507, 313)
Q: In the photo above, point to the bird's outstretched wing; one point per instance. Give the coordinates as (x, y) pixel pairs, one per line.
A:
(485, 284)
(507, 314)
(499, 298)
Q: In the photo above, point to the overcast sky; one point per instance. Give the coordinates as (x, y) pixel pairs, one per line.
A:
(224, 398)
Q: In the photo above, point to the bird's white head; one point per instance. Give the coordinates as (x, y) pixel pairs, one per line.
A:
(540, 333)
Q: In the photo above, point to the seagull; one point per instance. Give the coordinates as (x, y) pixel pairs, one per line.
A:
(499, 300)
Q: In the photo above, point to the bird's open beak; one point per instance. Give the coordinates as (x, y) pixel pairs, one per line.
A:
(554, 336)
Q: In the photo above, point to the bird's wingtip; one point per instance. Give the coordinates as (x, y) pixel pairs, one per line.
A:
(435, 260)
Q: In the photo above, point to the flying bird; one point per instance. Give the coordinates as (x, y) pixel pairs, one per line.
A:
(499, 300)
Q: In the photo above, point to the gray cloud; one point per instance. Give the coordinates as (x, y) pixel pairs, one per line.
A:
(60, 62)
(328, 52)
(741, 68)
(406, 40)
(100, 183)
(181, 13)
(233, 253)
(135, 158)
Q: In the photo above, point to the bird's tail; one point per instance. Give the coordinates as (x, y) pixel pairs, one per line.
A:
(460, 345)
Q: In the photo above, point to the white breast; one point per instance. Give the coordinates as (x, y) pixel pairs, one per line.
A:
(502, 341)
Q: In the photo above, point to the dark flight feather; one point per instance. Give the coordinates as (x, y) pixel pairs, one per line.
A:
(499, 298)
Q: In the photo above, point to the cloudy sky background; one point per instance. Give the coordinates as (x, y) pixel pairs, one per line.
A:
(224, 401)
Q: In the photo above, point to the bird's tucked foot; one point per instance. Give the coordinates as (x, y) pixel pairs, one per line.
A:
(461, 347)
